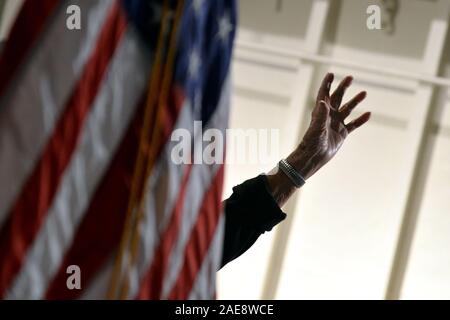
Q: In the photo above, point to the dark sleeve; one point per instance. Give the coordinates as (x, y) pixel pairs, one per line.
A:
(249, 212)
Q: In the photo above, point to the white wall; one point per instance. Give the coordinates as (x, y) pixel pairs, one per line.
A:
(345, 224)
(428, 275)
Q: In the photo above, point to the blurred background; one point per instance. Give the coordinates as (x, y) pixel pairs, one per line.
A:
(374, 223)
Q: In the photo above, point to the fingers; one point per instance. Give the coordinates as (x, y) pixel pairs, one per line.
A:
(324, 91)
(338, 94)
(325, 103)
(347, 109)
(355, 124)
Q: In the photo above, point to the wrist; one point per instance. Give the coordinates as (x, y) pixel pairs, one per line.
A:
(303, 161)
(280, 186)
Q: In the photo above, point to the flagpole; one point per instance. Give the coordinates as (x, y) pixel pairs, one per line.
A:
(115, 286)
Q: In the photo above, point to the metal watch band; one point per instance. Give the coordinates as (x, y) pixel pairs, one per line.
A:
(292, 174)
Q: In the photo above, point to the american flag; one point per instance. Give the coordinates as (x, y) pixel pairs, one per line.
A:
(86, 176)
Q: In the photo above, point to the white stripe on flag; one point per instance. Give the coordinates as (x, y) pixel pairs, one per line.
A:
(31, 108)
(162, 195)
(205, 284)
(98, 288)
(201, 178)
(109, 118)
(164, 182)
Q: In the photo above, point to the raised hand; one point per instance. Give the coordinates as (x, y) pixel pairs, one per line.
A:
(324, 137)
(327, 130)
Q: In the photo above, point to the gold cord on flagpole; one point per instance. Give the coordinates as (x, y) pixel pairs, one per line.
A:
(135, 185)
(157, 95)
(155, 136)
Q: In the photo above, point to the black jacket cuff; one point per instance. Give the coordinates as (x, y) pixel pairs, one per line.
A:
(260, 208)
(249, 212)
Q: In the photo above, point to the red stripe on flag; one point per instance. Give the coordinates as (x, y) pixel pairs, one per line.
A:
(32, 205)
(196, 248)
(152, 283)
(100, 232)
(201, 238)
(27, 29)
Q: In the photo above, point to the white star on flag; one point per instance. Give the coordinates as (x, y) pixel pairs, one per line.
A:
(198, 5)
(194, 64)
(225, 27)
